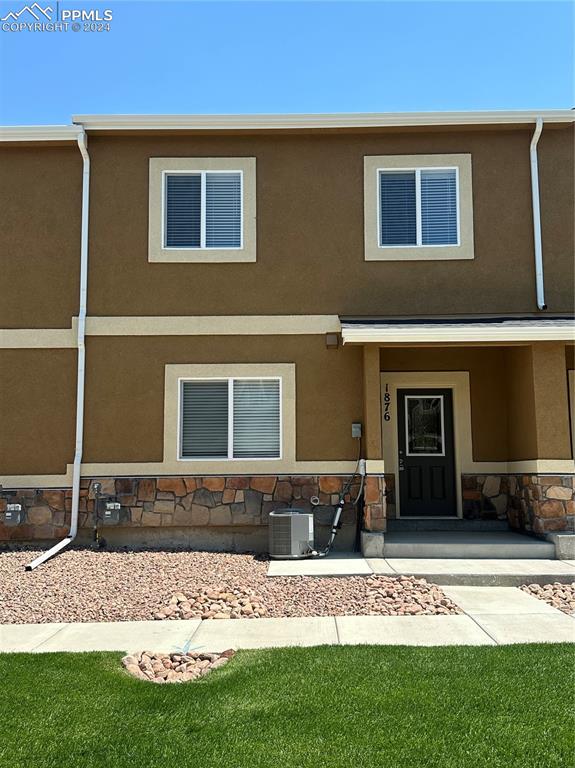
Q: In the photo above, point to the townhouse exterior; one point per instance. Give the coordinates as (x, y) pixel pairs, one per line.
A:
(195, 310)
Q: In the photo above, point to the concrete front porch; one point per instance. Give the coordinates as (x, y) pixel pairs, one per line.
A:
(470, 571)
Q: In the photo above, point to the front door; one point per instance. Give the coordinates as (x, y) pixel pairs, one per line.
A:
(426, 456)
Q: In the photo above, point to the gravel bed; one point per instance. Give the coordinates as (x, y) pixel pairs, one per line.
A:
(561, 596)
(84, 585)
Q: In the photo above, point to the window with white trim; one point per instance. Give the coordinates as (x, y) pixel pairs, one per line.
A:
(418, 207)
(230, 418)
(203, 209)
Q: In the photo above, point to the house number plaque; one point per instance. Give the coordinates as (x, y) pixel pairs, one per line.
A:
(387, 404)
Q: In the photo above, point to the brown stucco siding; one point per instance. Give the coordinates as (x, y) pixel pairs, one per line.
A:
(556, 153)
(487, 382)
(125, 391)
(310, 255)
(37, 410)
(40, 200)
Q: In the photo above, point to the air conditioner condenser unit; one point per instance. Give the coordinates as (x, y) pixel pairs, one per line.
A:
(291, 534)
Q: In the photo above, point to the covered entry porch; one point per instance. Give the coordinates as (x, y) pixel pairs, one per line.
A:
(468, 431)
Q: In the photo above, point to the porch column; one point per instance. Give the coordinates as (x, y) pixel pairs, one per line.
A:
(550, 397)
(374, 513)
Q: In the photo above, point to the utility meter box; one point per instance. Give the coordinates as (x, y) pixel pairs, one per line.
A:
(110, 513)
(14, 514)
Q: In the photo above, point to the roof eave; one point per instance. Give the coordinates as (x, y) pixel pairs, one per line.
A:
(39, 133)
(325, 121)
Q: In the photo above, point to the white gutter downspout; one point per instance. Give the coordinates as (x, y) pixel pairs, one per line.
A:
(537, 215)
(82, 144)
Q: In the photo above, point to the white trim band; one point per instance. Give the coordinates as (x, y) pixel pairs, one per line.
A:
(435, 333)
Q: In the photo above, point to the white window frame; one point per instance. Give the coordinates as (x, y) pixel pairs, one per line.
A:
(418, 217)
(374, 251)
(159, 169)
(229, 379)
(419, 397)
(203, 218)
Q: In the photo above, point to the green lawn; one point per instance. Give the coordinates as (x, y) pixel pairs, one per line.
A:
(322, 707)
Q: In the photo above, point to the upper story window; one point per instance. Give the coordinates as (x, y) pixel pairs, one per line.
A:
(202, 210)
(418, 207)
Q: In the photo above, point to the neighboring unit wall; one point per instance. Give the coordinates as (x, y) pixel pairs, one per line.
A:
(40, 200)
(37, 410)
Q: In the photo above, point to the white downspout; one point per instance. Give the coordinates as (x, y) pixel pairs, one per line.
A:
(82, 144)
(537, 215)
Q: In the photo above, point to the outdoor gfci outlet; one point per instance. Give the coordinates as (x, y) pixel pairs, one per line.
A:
(356, 429)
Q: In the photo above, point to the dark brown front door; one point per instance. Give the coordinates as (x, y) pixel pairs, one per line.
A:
(426, 456)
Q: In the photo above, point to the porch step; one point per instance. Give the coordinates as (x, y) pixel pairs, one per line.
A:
(405, 524)
(466, 546)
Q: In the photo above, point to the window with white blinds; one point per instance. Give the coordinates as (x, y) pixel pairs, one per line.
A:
(418, 207)
(203, 209)
(230, 419)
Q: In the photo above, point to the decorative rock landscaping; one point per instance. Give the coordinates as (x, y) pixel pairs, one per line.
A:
(216, 603)
(84, 585)
(560, 596)
(174, 667)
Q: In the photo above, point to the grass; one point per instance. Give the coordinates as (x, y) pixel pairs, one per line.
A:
(357, 707)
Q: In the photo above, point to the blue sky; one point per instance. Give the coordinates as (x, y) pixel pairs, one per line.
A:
(247, 57)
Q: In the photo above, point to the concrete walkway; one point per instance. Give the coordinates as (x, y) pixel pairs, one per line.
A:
(469, 572)
(492, 616)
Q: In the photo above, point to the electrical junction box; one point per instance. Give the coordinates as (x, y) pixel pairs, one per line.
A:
(14, 514)
(356, 429)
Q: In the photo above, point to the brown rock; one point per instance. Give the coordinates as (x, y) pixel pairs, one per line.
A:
(190, 483)
(238, 483)
(174, 484)
(54, 499)
(228, 496)
(555, 492)
(330, 484)
(283, 491)
(263, 484)
(200, 515)
(214, 483)
(220, 515)
(164, 507)
(551, 508)
(41, 515)
(372, 493)
(146, 489)
(150, 518)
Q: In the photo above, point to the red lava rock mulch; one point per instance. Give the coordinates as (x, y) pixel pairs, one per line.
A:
(85, 585)
(561, 596)
(174, 667)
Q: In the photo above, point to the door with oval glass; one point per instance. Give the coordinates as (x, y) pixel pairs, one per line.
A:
(426, 455)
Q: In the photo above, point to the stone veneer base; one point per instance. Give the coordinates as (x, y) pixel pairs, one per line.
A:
(238, 506)
(213, 502)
